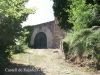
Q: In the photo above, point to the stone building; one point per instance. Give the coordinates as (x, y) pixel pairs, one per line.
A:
(47, 35)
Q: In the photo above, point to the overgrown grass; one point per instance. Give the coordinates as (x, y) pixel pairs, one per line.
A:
(84, 40)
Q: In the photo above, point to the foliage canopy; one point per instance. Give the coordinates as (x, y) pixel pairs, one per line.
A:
(83, 15)
(12, 14)
(60, 11)
(77, 13)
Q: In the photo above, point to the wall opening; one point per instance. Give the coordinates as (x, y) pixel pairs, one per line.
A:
(40, 41)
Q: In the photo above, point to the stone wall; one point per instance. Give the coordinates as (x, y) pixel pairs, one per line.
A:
(53, 33)
(58, 35)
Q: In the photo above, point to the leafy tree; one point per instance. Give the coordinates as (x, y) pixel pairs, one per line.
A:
(12, 14)
(92, 1)
(83, 15)
(60, 11)
(77, 13)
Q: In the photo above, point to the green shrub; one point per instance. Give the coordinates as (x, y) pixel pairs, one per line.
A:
(77, 41)
(84, 40)
(93, 44)
(20, 45)
(18, 49)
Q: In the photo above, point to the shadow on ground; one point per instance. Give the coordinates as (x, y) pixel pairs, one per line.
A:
(20, 69)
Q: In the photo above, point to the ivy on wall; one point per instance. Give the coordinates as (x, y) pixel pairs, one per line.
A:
(30, 30)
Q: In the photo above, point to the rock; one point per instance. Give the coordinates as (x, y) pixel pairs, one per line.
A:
(55, 51)
(73, 58)
(95, 27)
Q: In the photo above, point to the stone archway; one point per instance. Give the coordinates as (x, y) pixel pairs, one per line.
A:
(51, 30)
(44, 29)
(40, 41)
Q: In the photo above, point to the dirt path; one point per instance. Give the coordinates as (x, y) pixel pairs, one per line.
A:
(43, 62)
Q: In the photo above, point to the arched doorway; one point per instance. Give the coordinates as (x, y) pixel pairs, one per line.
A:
(40, 41)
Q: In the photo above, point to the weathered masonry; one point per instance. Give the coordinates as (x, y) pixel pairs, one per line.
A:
(47, 35)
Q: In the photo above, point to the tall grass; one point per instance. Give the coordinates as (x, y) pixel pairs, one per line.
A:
(84, 40)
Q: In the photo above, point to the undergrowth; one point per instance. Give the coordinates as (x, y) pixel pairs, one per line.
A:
(84, 40)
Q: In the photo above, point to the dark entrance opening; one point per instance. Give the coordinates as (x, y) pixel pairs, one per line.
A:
(40, 41)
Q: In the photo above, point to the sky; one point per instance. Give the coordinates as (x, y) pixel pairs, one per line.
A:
(44, 12)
